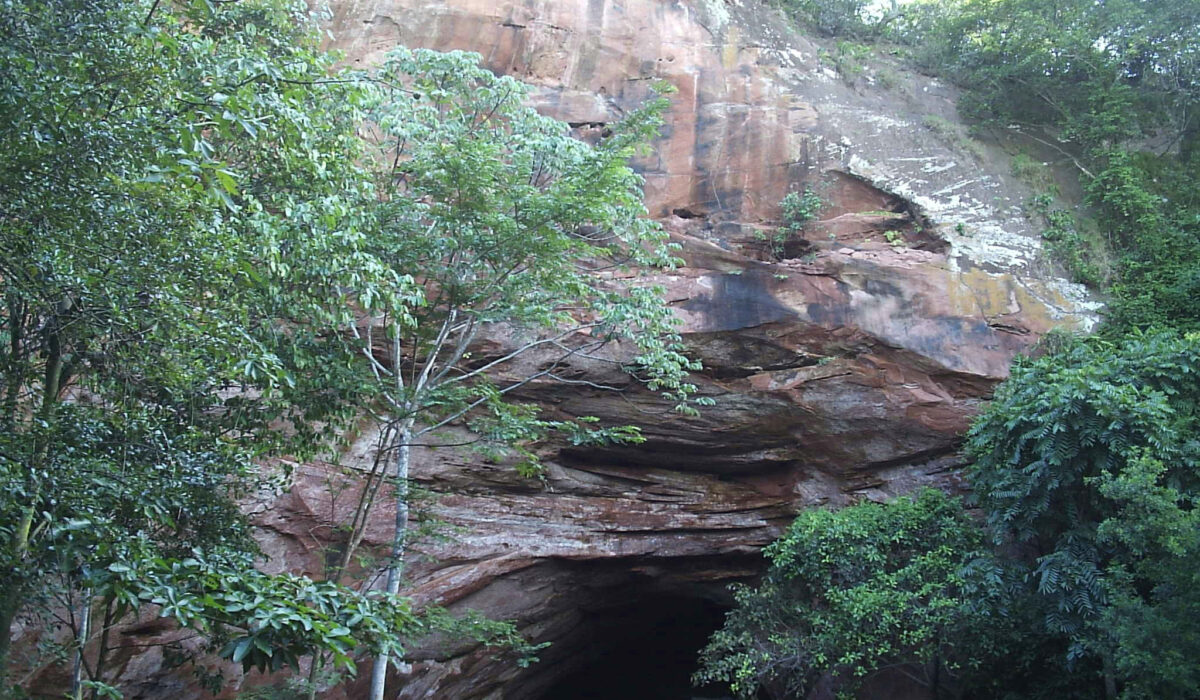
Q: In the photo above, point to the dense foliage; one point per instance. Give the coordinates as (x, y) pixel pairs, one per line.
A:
(1088, 466)
(853, 591)
(846, 18)
(150, 153)
(193, 228)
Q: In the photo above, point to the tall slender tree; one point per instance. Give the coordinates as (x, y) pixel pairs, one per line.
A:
(508, 226)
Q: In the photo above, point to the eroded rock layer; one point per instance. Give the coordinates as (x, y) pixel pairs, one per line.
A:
(845, 362)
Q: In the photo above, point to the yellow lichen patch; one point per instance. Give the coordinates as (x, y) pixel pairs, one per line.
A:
(1041, 312)
(976, 292)
(729, 52)
(997, 294)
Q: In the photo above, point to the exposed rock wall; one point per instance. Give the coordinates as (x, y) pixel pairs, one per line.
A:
(847, 369)
(845, 364)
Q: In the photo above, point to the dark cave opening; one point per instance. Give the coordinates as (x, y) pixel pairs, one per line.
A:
(642, 650)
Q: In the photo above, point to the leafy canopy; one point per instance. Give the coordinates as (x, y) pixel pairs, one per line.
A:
(507, 222)
(180, 208)
(1088, 461)
(849, 592)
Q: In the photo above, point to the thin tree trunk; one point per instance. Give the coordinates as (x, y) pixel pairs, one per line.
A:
(85, 630)
(366, 502)
(311, 691)
(1110, 680)
(935, 672)
(395, 567)
(102, 654)
(16, 337)
(10, 602)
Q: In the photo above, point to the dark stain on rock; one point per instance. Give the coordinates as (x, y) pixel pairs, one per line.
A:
(882, 288)
(828, 315)
(596, 12)
(953, 337)
(727, 356)
(739, 301)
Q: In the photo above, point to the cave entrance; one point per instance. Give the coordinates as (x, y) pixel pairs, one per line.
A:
(641, 650)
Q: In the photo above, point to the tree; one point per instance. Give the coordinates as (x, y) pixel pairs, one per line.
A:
(508, 226)
(1113, 90)
(852, 592)
(1086, 466)
(1152, 583)
(171, 177)
(199, 249)
(852, 18)
(1098, 72)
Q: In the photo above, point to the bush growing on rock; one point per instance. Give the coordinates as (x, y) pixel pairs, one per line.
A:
(852, 592)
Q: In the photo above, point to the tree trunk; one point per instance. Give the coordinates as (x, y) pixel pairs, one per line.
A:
(935, 672)
(13, 379)
(10, 603)
(395, 567)
(1110, 679)
(102, 654)
(85, 630)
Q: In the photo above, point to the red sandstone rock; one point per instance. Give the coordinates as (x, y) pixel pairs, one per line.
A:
(847, 370)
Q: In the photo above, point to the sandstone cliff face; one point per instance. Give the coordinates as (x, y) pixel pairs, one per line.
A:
(844, 366)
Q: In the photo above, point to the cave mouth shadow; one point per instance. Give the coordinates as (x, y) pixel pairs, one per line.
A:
(642, 650)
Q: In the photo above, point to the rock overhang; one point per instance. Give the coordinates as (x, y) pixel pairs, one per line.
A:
(844, 366)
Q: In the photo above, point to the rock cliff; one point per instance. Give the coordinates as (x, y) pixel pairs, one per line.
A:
(845, 361)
